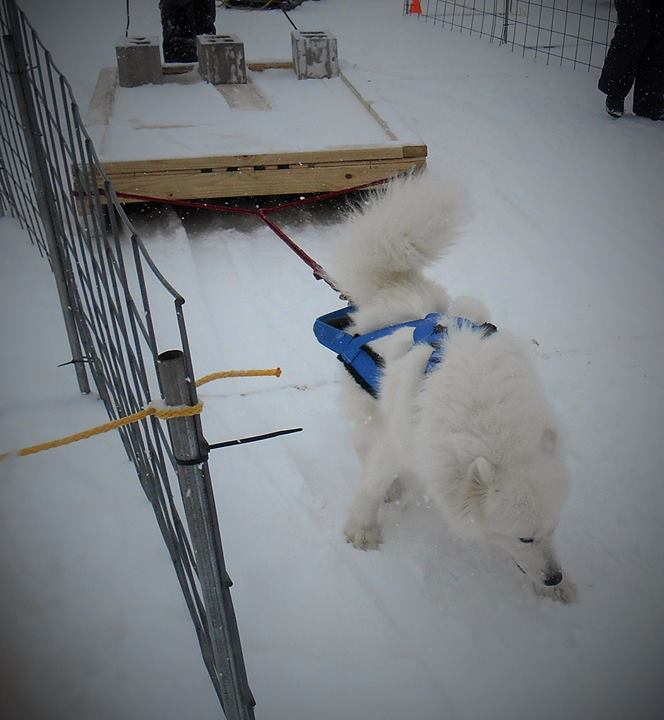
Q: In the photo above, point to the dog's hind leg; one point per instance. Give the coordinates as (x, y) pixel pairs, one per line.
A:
(379, 472)
(364, 431)
(362, 410)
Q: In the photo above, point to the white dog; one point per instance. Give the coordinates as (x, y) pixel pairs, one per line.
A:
(474, 427)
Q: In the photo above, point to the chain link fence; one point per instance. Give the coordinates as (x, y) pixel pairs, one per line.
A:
(572, 32)
(107, 284)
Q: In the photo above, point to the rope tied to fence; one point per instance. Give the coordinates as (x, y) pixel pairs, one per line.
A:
(163, 412)
(156, 408)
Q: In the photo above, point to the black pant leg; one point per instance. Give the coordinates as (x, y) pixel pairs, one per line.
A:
(178, 23)
(649, 80)
(206, 13)
(627, 47)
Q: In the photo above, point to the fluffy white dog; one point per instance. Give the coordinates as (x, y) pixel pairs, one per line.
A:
(475, 428)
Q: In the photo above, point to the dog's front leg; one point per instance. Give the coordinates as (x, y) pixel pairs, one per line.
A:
(379, 472)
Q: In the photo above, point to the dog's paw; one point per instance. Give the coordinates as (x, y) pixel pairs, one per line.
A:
(565, 593)
(363, 537)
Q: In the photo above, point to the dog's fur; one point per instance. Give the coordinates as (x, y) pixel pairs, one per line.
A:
(476, 430)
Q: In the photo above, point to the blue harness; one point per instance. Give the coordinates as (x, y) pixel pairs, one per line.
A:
(364, 364)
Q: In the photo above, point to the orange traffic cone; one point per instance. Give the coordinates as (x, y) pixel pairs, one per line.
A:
(415, 7)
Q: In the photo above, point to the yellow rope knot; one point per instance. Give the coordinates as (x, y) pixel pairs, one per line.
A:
(163, 412)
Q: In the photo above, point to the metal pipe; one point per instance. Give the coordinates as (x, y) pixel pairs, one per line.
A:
(190, 451)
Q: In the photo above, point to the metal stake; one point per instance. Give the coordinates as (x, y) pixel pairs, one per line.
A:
(190, 450)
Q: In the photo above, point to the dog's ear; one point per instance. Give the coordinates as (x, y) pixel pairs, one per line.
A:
(478, 477)
(549, 440)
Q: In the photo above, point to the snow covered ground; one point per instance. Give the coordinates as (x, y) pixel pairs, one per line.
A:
(566, 248)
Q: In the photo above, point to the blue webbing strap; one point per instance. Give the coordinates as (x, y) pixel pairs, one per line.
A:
(364, 364)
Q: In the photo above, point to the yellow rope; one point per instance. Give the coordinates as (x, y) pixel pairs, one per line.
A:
(276, 372)
(164, 413)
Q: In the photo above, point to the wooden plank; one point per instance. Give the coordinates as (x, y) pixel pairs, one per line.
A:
(249, 182)
(172, 70)
(262, 65)
(257, 66)
(103, 98)
(245, 96)
(340, 154)
(415, 151)
(176, 68)
(368, 107)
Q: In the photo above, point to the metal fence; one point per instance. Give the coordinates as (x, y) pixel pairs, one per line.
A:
(107, 284)
(572, 32)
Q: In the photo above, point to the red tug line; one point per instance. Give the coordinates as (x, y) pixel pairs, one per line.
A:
(262, 214)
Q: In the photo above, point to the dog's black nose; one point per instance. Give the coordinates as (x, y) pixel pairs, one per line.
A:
(553, 579)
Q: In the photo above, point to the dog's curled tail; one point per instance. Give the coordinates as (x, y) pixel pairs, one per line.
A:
(400, 229)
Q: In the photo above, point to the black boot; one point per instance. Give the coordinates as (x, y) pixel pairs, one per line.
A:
(615, 106)
(650, 112)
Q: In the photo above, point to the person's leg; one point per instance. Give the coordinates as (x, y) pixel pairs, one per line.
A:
(649, 80)
(178, 24)
(206, 12)
(625, 52)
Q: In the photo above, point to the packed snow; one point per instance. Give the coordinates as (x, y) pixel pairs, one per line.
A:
(565, 248)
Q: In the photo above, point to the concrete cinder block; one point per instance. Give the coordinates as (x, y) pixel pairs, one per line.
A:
(139, 61)
(221, 59)
(314, 54)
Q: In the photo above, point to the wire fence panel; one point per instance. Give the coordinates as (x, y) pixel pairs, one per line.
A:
(108, 285)
(572, 32)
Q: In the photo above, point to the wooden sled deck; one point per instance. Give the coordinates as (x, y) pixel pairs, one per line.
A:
(228, 149)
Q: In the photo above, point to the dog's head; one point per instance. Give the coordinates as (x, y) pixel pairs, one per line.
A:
(517, 506)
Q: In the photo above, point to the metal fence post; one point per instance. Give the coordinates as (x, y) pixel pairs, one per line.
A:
(19, 70)
(190, 451)
(506, 21)
(3, 189)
